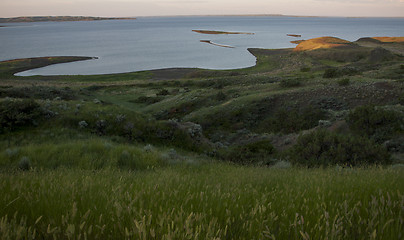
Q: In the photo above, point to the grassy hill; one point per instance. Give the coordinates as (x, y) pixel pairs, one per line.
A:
(321, 42)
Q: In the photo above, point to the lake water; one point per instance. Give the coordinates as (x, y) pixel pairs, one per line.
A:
(164, 42)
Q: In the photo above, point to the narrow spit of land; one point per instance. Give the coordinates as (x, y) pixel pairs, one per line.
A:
(216, 44)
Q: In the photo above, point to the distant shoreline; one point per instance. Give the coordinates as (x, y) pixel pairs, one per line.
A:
(263, 15)
(57, 19)
(87, 18)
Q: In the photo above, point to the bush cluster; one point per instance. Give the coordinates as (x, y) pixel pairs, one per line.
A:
(401, 99)
(220, 96)
(24, 164)
(218, 83)
(375, 123)
(324, 148)
(289, 120)
(250, 153)
(132, 127)
(39, 92)
(305, 69)
(148, 100)
(290, 82)
(20, 113)
(343, 82)
(163, 92)
(326, 103)
(261, 117)
(339, 72)
(331, 73)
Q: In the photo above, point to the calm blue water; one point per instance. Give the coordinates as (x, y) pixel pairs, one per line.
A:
(157, 42)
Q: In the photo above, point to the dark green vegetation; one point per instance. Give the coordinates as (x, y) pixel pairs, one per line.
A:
(57, 19)
(322, 148)
(305, 145)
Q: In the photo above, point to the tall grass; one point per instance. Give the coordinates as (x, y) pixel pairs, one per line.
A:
(214, 201)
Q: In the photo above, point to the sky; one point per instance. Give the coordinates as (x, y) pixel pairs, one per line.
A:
(135, 8)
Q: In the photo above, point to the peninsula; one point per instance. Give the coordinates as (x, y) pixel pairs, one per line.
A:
(216, 44)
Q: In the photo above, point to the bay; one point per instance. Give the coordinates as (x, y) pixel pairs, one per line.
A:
(165, 42)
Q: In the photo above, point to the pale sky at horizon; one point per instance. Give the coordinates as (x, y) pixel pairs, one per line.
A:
(135, 8)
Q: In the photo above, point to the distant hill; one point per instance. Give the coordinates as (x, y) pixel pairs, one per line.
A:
(389, 39)
(57, 19)
(321, 42)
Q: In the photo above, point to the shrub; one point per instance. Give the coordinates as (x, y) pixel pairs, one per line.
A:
(220, 96)
(375, 123)
(331, 73)
(324, 148)
(24, 164)
(101, 127)
(288, 120)
(14, 114)
(305, 69)
(326, 103)
(148, 100)
(343, 82)
(338, 72)
(219, 84)
(250, 153)
(162, 132)
(126, 161)
(350, 71)
(290, 82)
(163, 92)
(401, 99)
(83, 124)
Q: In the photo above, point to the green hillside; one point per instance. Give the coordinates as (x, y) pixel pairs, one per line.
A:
(304, 145)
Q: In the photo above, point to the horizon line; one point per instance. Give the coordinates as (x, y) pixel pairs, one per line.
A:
(214, 15)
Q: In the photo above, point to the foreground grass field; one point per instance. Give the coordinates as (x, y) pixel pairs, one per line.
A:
(208, 201)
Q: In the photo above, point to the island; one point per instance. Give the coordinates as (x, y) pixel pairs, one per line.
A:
(220, 32)
(294, 35)
(58, 19)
